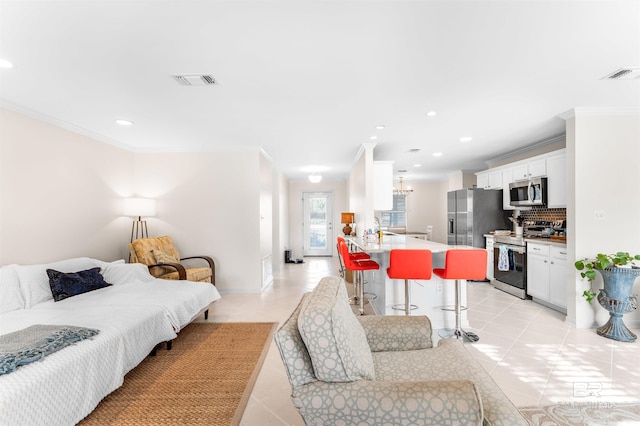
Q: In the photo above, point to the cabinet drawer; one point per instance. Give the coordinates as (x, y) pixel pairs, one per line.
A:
(538, 249)
(558, 252)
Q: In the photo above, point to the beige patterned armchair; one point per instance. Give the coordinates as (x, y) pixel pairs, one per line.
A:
(164, 261)
(376, 370)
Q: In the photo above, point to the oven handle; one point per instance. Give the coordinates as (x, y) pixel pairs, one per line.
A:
(517, 249)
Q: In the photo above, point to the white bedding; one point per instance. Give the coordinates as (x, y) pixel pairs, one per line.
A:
(133, 315)
(68, 384)
(181, 301)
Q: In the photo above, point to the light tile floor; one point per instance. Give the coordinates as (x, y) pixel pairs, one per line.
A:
(533, 355)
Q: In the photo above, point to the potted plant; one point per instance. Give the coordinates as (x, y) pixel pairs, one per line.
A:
(618, 271)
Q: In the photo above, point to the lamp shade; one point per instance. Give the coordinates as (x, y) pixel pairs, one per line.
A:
(347, 217)
(139, 207)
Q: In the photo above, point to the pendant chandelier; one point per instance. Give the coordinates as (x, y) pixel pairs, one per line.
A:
(400, 191)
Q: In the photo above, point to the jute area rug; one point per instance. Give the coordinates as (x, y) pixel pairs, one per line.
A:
(592, 414)
(206, 379)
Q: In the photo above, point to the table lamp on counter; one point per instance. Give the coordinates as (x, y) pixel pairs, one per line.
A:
(347, 218)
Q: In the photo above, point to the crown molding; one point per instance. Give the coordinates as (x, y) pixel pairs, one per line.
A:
(64, 125)
(594, 112)
(526, 149)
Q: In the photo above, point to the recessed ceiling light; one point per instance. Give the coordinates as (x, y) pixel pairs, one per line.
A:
(465, 139)
(5, 64)
(380, 126)
(437, 154)
(417, 165)
(124, 122)
(431, 113)
(373, 138)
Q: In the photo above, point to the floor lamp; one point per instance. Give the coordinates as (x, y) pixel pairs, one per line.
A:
(139, 208)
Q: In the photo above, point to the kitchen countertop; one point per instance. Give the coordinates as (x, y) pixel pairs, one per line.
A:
(397, 241)
(546, 241)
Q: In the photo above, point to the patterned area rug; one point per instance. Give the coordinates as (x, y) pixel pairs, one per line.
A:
(592, 414)
(206, 379)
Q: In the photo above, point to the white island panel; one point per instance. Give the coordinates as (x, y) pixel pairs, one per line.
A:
(430, 295)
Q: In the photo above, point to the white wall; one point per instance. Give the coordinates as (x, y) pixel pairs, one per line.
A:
(210, 204)
(461, 180)
(61, 193)
(281, 221)
(296, 190)
(427, 205)
(603, 153)
(361, 189)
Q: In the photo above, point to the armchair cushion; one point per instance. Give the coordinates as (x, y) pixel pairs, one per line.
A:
(396, 333)
(162, 257)
(164, 261)
(335, 339)
(450, 402)
(449, 361)
(293, 352)
(193, 274)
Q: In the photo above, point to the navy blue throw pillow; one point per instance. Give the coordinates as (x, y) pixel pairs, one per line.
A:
(70, 284)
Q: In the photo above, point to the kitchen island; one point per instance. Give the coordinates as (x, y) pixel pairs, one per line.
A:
(430, 295)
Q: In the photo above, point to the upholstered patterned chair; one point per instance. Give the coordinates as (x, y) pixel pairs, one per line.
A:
(375, 370)
(164, 261)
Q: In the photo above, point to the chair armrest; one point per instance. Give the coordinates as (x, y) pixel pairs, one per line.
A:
(182, 273)
(397, 333)
(211, 263)
(390, 403)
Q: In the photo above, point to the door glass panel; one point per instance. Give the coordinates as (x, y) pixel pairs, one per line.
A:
(318, 229)
(318, 222)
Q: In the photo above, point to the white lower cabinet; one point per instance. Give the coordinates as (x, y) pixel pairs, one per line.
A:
(538, 270)
(558, 276)
(546, 273)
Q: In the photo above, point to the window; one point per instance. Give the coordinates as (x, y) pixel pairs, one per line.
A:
(396, 217)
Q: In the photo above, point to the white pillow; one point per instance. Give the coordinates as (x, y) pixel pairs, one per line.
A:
(123, 273)
(336, 341)
(34, 281)
(10, 294)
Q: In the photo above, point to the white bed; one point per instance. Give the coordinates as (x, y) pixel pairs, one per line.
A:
(133, 316)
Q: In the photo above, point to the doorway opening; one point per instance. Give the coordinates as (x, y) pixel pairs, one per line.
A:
(317, 223)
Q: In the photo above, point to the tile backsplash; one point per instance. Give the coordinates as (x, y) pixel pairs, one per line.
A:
(540, 213)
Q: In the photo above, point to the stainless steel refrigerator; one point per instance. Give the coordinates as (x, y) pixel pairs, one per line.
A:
(471, 213)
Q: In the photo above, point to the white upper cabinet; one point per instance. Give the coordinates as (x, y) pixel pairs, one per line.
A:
(489, 179)
(529, 169)
(383, 185)
(557, 180)
(482, 180)
(495, 179)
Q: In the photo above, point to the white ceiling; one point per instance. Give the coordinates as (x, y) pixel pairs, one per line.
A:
(308, 81)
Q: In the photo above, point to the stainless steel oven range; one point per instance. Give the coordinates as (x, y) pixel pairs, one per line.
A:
(510, 265)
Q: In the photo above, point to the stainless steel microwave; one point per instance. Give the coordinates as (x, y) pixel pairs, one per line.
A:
(531, 192)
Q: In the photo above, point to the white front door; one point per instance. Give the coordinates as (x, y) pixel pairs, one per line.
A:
(317, 222)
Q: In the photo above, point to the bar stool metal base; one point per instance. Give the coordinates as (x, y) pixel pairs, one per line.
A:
(458, 332)
(402, 307)
(407, 307)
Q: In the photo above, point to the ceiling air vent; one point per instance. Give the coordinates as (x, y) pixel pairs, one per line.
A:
(194, 79)
(403, 171)
(624, 74)
(414, 150)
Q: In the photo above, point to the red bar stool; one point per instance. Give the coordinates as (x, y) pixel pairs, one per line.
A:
(359, 266)
(461, 264)
(343, 273)
(409, 265)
